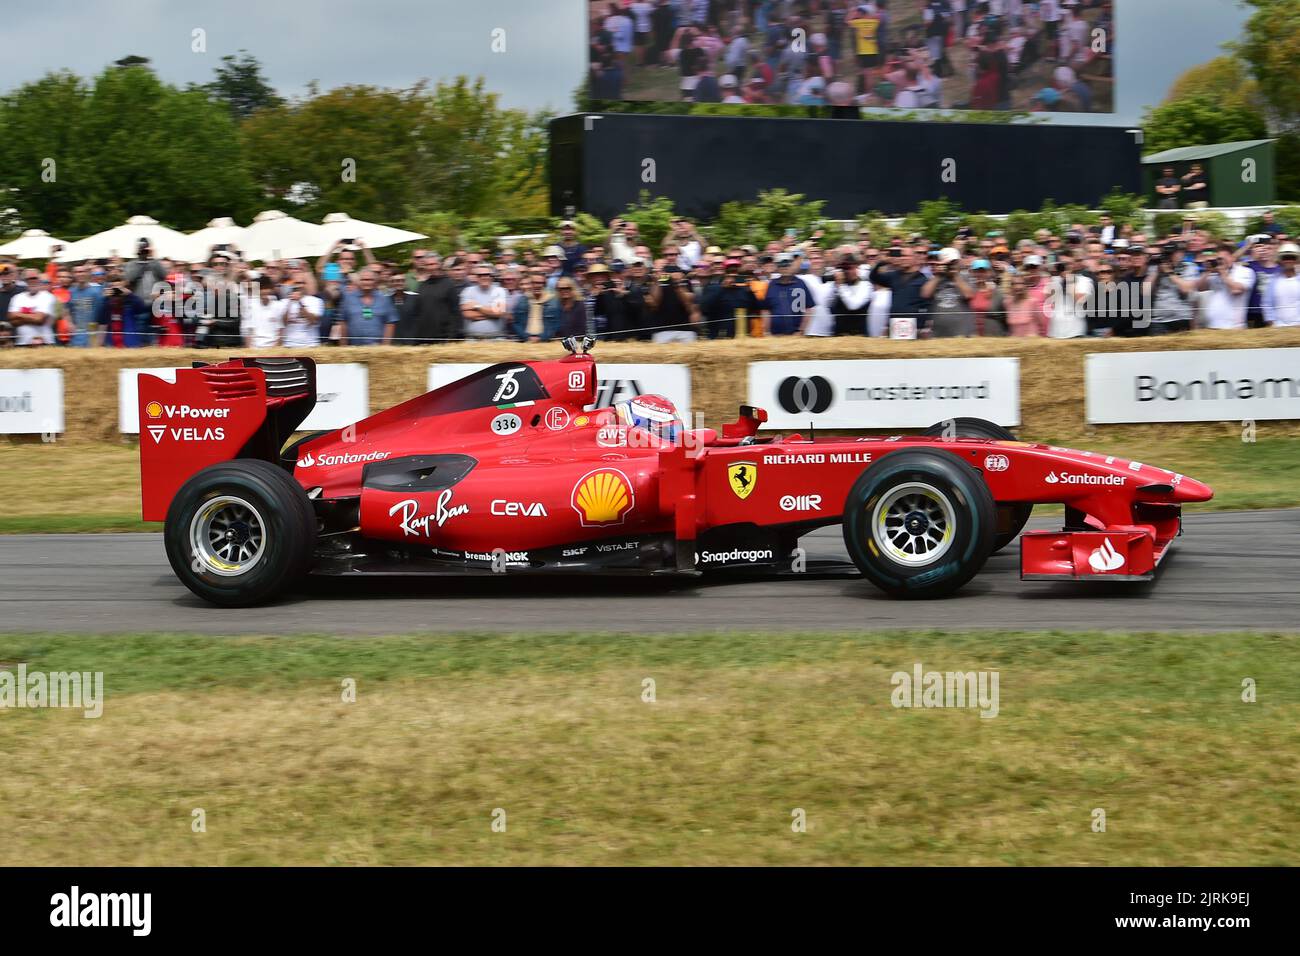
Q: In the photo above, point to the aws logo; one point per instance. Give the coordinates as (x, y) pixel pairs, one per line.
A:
(603, 497)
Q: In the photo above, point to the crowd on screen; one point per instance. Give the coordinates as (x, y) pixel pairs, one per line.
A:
(1050, 55)
(1106, 279)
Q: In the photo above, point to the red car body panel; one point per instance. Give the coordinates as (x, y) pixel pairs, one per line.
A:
(511, 463)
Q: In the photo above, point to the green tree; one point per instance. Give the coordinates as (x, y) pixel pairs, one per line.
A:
(239, 84)
(1271, 46)
(1199, 120)
(392, 154)
(81, 158)
(766, 219)
(653, 217)
(1226, 80)
(42, 136)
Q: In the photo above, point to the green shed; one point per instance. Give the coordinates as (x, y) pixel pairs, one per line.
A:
(1237, 174)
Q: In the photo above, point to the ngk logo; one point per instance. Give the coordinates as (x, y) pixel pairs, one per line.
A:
(801, 502)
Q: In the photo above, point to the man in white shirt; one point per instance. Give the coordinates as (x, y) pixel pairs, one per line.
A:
(1281, 302)
(1228, 284)
(261, 321)
(483, 306)
(690, 249)
(302, 314)
(1069, 293)
(818, 320)
(31, 312)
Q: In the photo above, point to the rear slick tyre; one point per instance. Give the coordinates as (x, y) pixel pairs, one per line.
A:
(240, 533)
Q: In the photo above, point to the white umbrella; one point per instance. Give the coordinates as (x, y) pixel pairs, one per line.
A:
(122, 241)
(32, 244)
(274, 235)
(219, 232)
(339, 225)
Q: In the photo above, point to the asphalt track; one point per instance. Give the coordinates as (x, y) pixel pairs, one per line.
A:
(1229, 571)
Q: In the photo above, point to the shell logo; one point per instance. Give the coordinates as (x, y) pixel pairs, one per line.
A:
(603, 497)
(153, 410)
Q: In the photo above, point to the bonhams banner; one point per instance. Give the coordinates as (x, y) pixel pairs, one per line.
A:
(1203, 385)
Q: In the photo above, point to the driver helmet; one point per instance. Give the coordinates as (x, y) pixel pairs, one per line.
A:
(654, 413)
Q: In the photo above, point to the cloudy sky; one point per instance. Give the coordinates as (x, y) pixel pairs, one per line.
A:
(395, 43)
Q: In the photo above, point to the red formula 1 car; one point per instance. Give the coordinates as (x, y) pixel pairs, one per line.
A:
(510, 471)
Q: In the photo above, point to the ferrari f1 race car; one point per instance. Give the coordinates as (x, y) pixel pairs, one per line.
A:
(512, 471)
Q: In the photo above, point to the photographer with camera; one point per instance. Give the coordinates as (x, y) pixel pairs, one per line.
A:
(672, 312)
(1228, 283)
(1168, 292)
(144, 272)
(850, 299)
(725, 292)
(901, 274)
(949, 295)
(1069, 295)
(616, 308)
(124, 318)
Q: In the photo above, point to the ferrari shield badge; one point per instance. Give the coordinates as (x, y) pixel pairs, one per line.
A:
(742, 476)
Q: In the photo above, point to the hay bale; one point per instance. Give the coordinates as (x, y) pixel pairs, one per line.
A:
(1051, 373)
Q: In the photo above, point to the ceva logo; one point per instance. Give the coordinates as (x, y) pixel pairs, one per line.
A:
(1106, 558)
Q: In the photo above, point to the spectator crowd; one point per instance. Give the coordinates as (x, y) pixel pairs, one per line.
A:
(1103, 279)
(1049, 55)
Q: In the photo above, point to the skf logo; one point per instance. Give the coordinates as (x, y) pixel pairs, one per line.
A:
(742, 476)
(154, 410)
(603, 497)
(996, 463)
(1106, 558)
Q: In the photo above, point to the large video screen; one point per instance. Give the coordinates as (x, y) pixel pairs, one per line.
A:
(1009, 55)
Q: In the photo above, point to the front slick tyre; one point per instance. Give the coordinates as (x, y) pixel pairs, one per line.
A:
(919, 523)
(240, 532)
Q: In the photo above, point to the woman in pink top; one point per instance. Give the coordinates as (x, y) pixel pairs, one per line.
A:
(1024, 311)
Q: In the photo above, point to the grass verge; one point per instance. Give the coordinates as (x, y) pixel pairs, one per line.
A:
(743, 730)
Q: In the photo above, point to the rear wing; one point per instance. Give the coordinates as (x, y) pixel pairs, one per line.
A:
(242, 408)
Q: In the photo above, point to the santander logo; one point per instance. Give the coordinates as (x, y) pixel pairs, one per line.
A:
(347, 458)
(1065, 478)
(1106, 558)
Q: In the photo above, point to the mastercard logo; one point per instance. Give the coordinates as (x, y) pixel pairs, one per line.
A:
(603, 497)
(153, 410)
